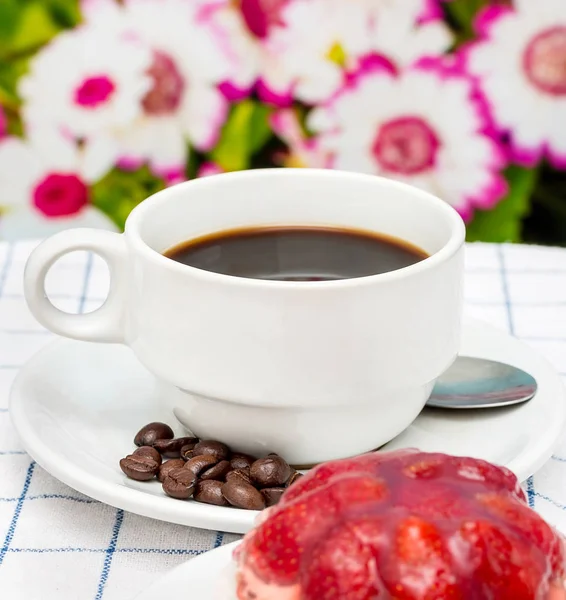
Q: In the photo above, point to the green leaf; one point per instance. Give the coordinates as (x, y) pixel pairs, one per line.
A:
(36, 27)
(10, 15)
(66, 13)
(461, 15)
(245, 132)
(119, 192)
(504, 222)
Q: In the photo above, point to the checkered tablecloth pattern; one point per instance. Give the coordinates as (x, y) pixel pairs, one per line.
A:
(56, 544)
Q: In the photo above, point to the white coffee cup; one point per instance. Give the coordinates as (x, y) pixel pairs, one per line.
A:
(311, 370)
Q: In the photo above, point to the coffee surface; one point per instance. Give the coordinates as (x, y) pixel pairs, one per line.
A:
(297, 253)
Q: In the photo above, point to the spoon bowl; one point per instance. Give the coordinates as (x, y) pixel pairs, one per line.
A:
(481, 383)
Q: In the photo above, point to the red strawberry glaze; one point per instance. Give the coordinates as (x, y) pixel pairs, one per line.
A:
(403, 525)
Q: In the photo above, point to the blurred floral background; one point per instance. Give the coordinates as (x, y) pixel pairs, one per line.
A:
(104, 102)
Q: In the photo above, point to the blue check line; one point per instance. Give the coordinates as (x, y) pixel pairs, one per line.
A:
(12, 529)
(56, 550)
(518, 303)
(53, 497)
(559, 458)
(531, 491)
(219, 539)
(548, 499)
(12, 452)
(109, 554)
(86, 281)
(516, 271)
(6, 267)
(71, 549)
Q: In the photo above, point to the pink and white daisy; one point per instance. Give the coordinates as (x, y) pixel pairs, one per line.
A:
(306, 57)
(90, 81)
(303, 151)
(520, 61)
(243, 29)
(425, 127)
(407, 30)
(50, 172)
(183, 101)
(45, 185)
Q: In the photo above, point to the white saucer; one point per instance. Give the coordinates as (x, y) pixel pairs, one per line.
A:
(77, 406)
(209, 576)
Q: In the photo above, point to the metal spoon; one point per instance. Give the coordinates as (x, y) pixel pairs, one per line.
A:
(481, 383)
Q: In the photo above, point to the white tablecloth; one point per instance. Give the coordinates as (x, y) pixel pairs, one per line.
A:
(57, 544)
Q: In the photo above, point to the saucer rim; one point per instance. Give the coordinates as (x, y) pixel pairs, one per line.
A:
(215, 517)
(217, 558)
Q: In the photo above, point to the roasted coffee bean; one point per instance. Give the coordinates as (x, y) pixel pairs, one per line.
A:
(140, 468)
(218, 471)
(172, 448)
(179, 483)
(148, 435)
(241, 461)
(169, 465)
(294, 477)
(239, 475)
(198, 464)
(243, 495)
(210, 492)
(272, 495)
(219, 450)
(271, 471)
(187, 452)
(149, 452)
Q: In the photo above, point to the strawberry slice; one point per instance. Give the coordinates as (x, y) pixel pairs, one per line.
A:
(275, 550)
(342, 567)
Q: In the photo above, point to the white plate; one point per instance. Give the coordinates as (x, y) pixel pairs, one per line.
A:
(77, 407)
(209, 576)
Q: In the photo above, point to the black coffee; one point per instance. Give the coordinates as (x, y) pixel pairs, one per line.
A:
(297, 253)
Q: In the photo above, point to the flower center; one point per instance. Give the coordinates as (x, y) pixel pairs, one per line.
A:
(60, 194)
(406, 145)
(94, 91)
(544, 61)
(168, 86)
(261, 15)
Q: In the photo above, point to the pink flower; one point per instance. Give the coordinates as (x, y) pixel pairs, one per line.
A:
(209, 168)
(425, 126)
(3, 123)
(261, 16)
(520, 62)
(60, 194)
(49, 172)
(303, 151)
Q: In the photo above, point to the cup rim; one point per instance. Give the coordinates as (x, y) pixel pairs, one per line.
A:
(450, 248)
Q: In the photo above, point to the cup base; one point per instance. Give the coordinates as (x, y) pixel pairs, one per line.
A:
(303, 436)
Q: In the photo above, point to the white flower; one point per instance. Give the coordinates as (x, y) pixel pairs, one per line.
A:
(520, 61)
(88, 80)
(423, 127)
(243, 29)
(50, 172)
(407, 30)
(319, 40)
(183, 101)
(303, 151)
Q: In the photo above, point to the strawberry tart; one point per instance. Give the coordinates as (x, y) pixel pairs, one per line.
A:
(402, 525)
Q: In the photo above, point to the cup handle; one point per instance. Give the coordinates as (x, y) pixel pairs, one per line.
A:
(105, 324)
